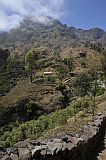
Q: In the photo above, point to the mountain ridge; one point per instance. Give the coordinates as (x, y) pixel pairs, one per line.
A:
(37, 33)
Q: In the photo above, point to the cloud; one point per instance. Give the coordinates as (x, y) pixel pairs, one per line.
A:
(12, 12)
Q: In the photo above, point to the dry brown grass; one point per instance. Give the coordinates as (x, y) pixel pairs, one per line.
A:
(44, 94)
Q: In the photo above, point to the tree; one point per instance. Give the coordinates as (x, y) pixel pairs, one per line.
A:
(67, 94)
(10, 63)
(69, 63)
(93, 91)
(30, 59)
(82, 84)
(104, 64)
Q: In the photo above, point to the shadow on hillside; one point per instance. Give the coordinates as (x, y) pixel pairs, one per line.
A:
(101, 149)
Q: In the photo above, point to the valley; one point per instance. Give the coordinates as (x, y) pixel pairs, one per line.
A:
(52, 84)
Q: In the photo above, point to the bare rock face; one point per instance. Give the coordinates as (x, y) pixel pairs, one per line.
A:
(6, 157)
(24, 154)
(14, 156)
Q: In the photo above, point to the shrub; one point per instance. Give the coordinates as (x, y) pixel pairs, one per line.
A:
(100, 91)
(35, 128)
(51, 79)
(81, 114)
(83, 63)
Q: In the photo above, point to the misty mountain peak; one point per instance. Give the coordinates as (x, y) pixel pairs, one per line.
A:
(39, 22)
(50, 32)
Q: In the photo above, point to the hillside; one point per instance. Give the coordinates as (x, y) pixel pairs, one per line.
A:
(95, 35)
(33, 33)
(48, 70)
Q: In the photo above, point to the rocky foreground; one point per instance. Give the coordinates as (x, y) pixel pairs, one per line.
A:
(102, 154)
(70, 147)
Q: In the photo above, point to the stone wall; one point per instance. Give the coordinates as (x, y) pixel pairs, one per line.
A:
(65, 147)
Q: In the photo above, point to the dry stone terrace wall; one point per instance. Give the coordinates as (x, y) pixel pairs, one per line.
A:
(65, 147)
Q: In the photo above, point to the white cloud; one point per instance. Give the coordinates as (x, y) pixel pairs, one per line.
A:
(13, 11)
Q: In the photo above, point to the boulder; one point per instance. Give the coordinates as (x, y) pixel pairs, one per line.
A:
(24, 154)
(14, 156)
(21, 144)
(54, 147)
(6, 157)
(2, 148)
(36, 151)
(3, 151)
(2, 154)
(12, 150)
(70, 146)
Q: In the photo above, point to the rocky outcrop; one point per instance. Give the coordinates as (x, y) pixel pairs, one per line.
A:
(77, 147)
(30, 32)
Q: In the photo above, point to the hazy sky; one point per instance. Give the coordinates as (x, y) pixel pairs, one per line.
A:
(79, 13)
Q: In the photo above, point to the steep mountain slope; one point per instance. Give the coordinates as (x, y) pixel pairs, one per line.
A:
(96, 35)
(57, 78)
(30, 32)
(60, 50)
(64, 63)
(51, 34)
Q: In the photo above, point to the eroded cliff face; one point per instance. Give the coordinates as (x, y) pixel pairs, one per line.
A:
(32, 33)
(69, 147)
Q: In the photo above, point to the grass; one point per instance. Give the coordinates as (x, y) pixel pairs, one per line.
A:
(24, 89)
(36, 128)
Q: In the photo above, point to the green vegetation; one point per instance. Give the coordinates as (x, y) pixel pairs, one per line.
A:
(4, 75)
(35, 128)
(30, 60)
(69, 77)
(83, 63)
(104, 64)
(69, 63)
(51, 79)
(100, 90)
(82, 85)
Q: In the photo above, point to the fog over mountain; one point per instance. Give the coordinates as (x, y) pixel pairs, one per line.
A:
(50, 33)
(13, 12)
